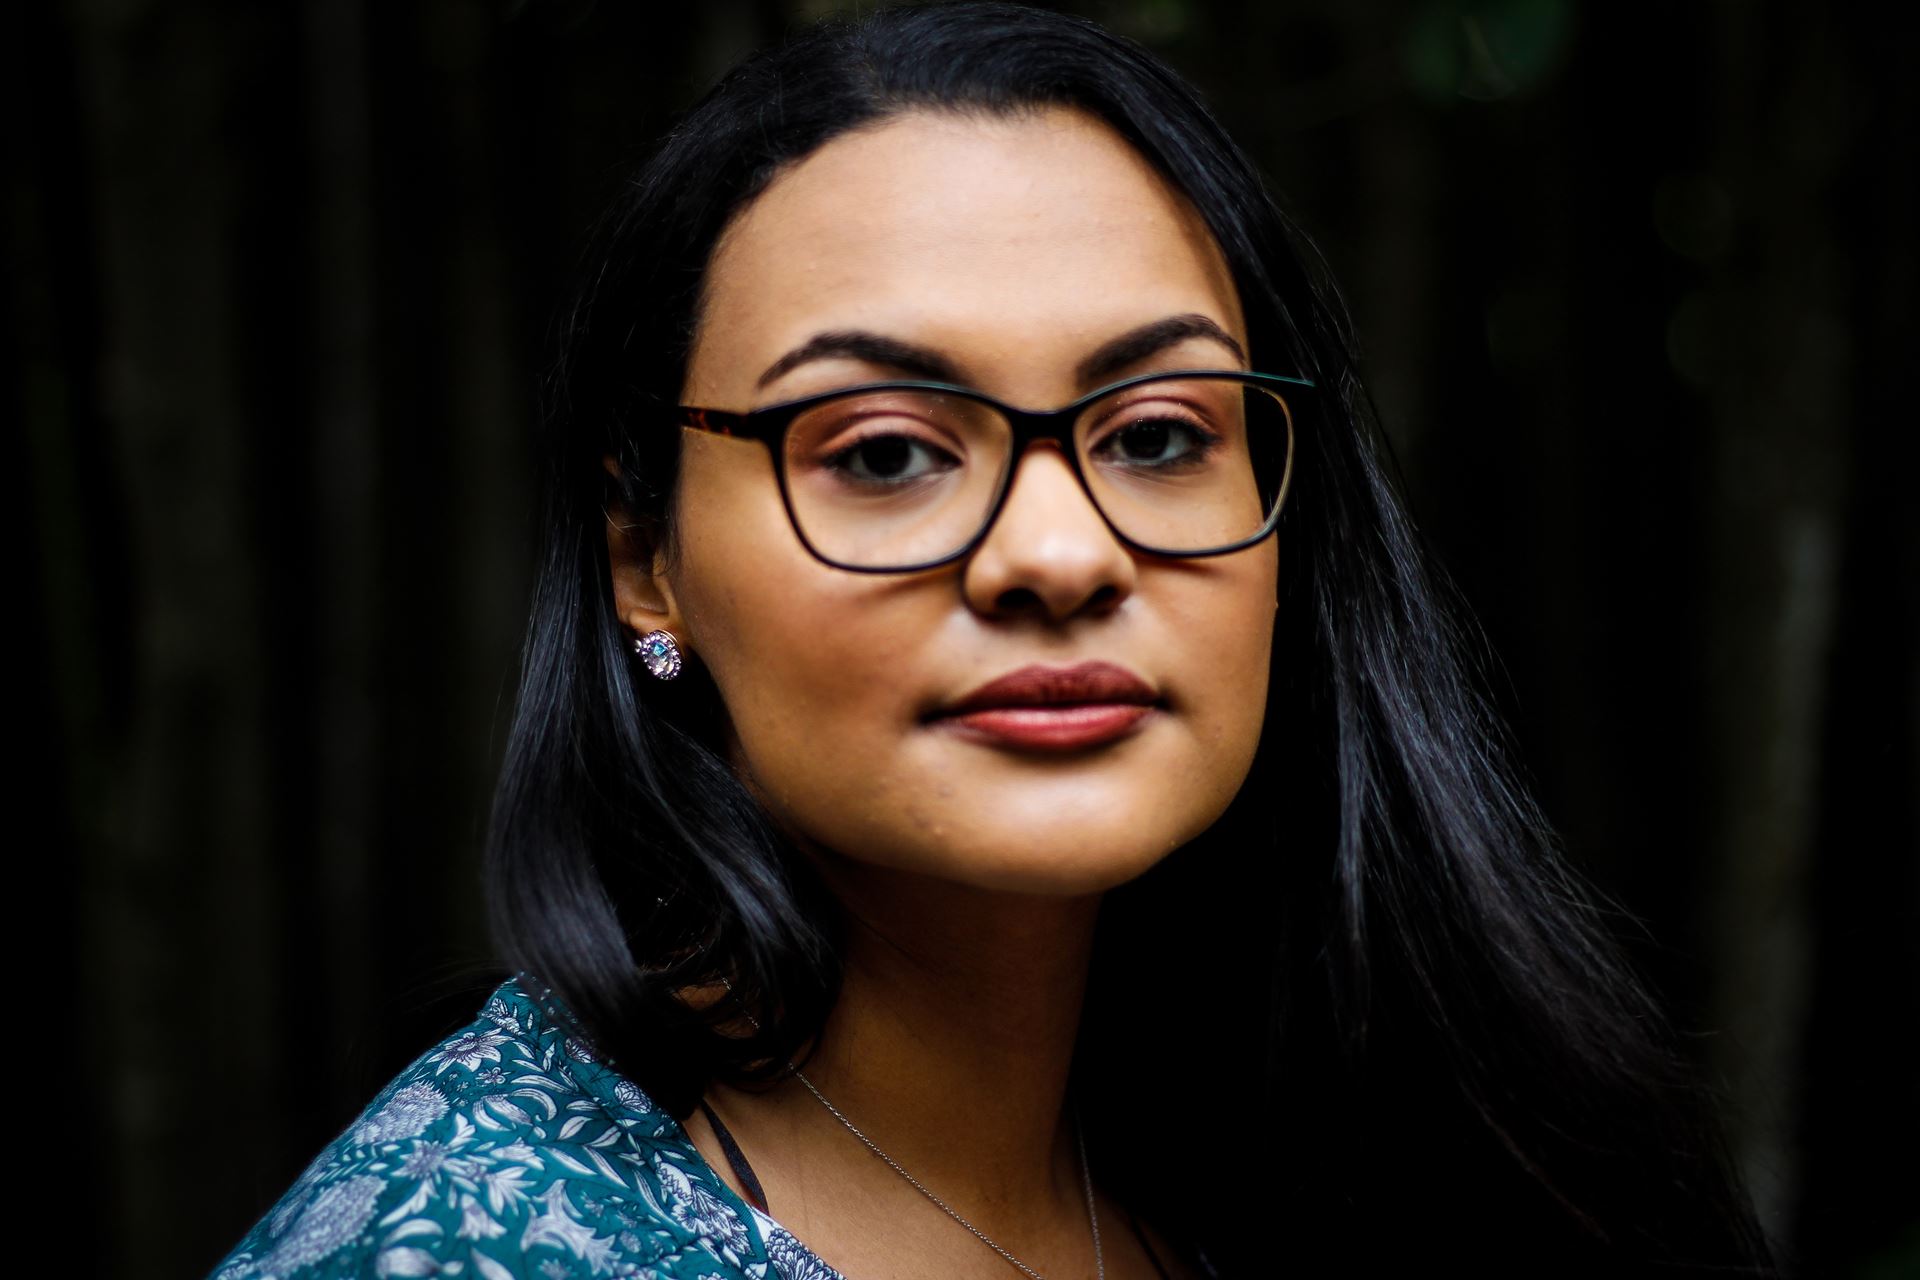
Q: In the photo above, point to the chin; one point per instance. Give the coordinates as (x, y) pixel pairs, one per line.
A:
(1023, 865)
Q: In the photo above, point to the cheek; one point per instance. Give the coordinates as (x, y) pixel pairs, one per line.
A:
(820, 688)
(813, 665)
(814, 690)
(1220, 652)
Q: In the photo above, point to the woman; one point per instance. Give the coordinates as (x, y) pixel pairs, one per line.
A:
(940, 834)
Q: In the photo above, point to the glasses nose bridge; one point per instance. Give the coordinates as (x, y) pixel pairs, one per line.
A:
(1028, 426)
(1043, 424)
(1055, 425)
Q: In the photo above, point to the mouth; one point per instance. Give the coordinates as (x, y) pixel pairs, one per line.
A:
(1054, 708)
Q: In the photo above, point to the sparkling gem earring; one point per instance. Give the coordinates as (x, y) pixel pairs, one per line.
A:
(658, 650)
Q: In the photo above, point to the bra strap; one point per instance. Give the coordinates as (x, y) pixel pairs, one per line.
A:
(737, 1158)
(1147, 1245)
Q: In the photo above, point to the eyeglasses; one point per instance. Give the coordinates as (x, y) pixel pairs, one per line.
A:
(894, 477)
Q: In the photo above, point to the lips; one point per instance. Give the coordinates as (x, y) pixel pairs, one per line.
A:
(1038, 686)
(1053, 709)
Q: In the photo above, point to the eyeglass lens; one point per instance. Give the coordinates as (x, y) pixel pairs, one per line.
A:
(902, 477)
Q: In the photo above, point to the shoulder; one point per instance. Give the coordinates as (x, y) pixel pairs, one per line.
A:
(505, 1150)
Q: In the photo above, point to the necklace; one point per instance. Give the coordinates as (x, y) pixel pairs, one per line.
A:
(1086, 1178)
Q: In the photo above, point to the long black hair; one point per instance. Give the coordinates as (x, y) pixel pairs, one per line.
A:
(1370, 1016)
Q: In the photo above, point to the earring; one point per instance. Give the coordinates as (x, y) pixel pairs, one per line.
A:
(658, 650)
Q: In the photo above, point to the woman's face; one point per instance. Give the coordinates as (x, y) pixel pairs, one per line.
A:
(1013, 249)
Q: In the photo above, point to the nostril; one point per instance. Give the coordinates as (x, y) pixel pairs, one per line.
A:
(1018, 600)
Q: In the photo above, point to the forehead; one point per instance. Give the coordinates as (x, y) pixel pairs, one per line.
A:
(1015, 245)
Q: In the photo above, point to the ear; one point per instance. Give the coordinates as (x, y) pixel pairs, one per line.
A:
(642, 587)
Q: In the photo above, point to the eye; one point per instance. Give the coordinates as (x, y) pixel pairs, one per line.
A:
(888, 459)
(1160, 442)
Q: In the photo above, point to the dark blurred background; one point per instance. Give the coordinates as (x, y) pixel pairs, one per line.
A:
(1634, 284)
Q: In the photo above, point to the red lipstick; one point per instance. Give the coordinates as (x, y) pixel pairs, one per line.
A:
(1054, 708)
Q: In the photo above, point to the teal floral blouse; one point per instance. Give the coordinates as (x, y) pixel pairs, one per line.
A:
(508, 1151)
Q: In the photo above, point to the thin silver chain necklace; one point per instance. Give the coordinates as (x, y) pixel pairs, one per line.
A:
(1086, 1178)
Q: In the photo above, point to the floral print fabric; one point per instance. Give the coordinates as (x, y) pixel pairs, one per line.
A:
(508, 1151)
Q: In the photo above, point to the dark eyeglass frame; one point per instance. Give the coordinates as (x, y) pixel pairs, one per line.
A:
(770, 423)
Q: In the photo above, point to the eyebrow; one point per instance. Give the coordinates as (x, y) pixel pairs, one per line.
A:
(1106, 360)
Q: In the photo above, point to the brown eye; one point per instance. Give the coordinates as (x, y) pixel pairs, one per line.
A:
(889, 459)
(1155, 443)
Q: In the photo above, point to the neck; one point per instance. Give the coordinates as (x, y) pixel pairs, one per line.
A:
(949, 1047)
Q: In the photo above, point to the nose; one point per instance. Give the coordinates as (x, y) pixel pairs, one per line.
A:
(1049, 552)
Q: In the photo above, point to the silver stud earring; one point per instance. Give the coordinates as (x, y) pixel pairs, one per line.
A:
(659, 651)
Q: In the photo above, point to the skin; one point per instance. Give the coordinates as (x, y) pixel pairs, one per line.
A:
(973, 872)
